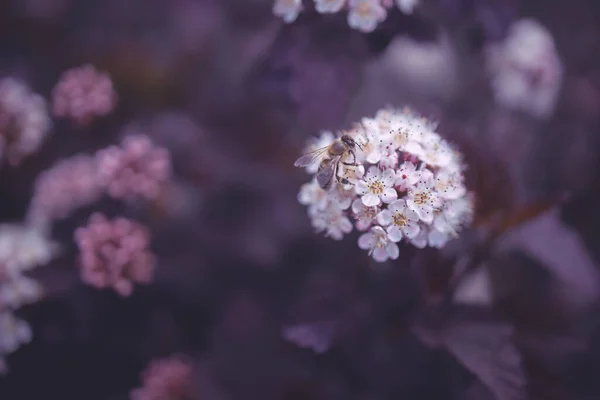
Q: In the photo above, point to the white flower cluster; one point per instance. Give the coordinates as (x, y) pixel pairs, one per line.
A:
(406, 184)
(21, 249)
(526, 72)
(24, 120)
(363, 15)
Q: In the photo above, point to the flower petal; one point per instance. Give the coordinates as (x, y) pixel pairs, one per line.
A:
(380, 254)
(389, 176)
(370, 200)
(392, 250)
(411, 230)
(384, 218)
(395, 234)
(361, 187)
(389, 195)
(366, 241)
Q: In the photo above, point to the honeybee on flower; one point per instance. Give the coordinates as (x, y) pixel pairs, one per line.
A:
(392, 177)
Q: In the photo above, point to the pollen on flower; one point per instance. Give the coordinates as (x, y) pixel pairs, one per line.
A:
(410, 189)
(363, 15)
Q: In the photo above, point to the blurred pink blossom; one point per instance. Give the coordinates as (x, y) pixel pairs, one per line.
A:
(137, 168)
(24, 120)
(166, 379)
(114, 253)
(69, 184)
(82, 94)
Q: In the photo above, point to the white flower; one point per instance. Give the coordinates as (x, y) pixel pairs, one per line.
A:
(379, 245)
(449, 185)
(325, 139)
(19, 291)
(23, 248)
(423, 200)
(365, 216)
(407, 176)
(338, 223)
(526, 71)
(407, 6)
(342, 197)
(312, 194)
(437, 239)
(377, 187)
(365, 15)
(436, 153)
(329, 6)
(420, 241)
(372, 147)
(14, 333)
(288, 10)
(399, 220)
(389, 156)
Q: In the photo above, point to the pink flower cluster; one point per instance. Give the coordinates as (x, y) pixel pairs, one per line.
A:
(82, 94)
(137, 168)
(166, 379)
(114, 253)
(69, 184)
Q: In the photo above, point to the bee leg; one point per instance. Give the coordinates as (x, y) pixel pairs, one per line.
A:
(340, 179)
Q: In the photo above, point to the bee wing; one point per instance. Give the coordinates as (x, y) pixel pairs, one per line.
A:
(311, 158)
(325, 173)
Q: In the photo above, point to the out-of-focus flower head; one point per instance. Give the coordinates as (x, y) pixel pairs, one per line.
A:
(135, 169)
(82, 94)
(114, 254)
(526, 71)
(21, 249)
(169, 378)
(24, 120)
(403, 182)
(15, 332)
(363, 15)
(69, 184)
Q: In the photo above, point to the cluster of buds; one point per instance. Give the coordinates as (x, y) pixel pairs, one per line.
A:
(114, 254)
(525, 69)
(82, 94)
(167, 378)
(363, 15)
(401, 181)
(24, 120)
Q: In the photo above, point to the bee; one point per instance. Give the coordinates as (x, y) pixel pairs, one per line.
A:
(330, 157)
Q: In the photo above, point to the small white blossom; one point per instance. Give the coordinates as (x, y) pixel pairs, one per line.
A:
(365, 216)
(19, 291)
(379, 244)
(329, 6)
(338, 223)
(399, 220)
(288, 10)
(365, 15)
(377, 187)
(312, 194)
(424, 199)
(407, 176)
